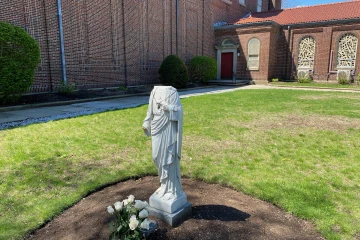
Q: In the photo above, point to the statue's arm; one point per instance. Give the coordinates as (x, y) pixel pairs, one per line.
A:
(174, 111)
(147, 122)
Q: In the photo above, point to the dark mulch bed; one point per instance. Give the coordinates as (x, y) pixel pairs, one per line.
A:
(218, 213)
(75, 95)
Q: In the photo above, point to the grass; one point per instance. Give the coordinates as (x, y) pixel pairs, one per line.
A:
(314, 84)
(296, 149)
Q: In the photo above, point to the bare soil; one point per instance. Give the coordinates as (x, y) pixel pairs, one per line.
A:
(218, 213)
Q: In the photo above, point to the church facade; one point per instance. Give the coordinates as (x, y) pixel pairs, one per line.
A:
(111, 43)
(320, 42)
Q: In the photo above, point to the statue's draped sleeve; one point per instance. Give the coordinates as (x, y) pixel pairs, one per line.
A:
(149, 116)
(176, 115)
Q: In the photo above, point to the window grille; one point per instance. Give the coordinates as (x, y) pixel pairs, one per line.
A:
(306, 53)
(347, 51)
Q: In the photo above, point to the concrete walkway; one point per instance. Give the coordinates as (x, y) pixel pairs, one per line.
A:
(16, 117)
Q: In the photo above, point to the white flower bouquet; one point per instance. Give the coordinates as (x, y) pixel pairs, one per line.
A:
(130, 219)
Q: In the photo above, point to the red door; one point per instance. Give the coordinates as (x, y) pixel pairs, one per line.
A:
(227, 60)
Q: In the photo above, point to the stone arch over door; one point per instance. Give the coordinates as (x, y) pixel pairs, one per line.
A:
(226, 52)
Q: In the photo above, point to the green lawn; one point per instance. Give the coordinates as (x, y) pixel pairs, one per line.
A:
(297, 149)
(314, 84)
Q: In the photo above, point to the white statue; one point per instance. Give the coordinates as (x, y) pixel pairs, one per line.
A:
(164, 122)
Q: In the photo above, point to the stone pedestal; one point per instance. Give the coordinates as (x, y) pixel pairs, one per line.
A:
(173, 211)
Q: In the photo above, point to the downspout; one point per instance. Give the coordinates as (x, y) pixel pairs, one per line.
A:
(176, 27)
(287, 53)
(62, 48)
(124, 46)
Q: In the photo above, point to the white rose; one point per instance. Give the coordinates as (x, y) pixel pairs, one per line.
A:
(126, 202)
(145, 224)
(110, 209)
(133, 223)
(118, 206)
(131, 198)
(140, 204)
(143, 214)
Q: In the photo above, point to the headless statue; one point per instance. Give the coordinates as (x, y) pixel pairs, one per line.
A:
(164, 123)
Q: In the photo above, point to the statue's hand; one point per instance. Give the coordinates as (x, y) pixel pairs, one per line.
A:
(165, 107)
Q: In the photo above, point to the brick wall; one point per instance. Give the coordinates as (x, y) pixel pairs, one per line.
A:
(242, 36)
(112, 43)
(280, 49)
(327, 38)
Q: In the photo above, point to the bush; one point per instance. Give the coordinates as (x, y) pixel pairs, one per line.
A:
(274, 80)
(303, 77)
(67, 89)
(203, 69)
(19, 57)
(173, 72)
(343, 79)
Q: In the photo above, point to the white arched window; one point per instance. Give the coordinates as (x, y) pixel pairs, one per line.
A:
(306, 53)
(253, 54)
(346, 57)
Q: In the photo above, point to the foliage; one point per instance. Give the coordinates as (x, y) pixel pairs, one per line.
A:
(303, 77)
(343, 79)
(173, 72)
(274, 80)
(130, 219)
(296, 149)
(203, 69)
(67, 88)
(19, 57)
(123, 88)
(316, 85)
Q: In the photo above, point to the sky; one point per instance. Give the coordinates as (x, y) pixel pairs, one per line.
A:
(297, 3)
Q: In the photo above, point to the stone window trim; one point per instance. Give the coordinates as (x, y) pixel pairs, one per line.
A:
(227, 1)
(259, 5)
(306, 53)
(242, 2)
(253, 54)
(345, 59)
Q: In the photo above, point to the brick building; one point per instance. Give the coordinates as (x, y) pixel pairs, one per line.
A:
(112, 43)
(316, 41)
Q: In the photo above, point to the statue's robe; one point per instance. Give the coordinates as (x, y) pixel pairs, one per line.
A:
(165, 128)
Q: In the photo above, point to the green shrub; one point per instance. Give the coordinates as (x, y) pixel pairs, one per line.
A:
(343, 79)
(173, 72)
(274, 80)
(19, 57)
(203, 69)
(303, 77)
(67, 89)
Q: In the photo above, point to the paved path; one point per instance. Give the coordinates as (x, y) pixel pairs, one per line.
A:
(23, 117)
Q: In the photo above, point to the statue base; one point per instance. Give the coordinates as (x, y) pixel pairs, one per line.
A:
(173, 219)
(173, 211)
